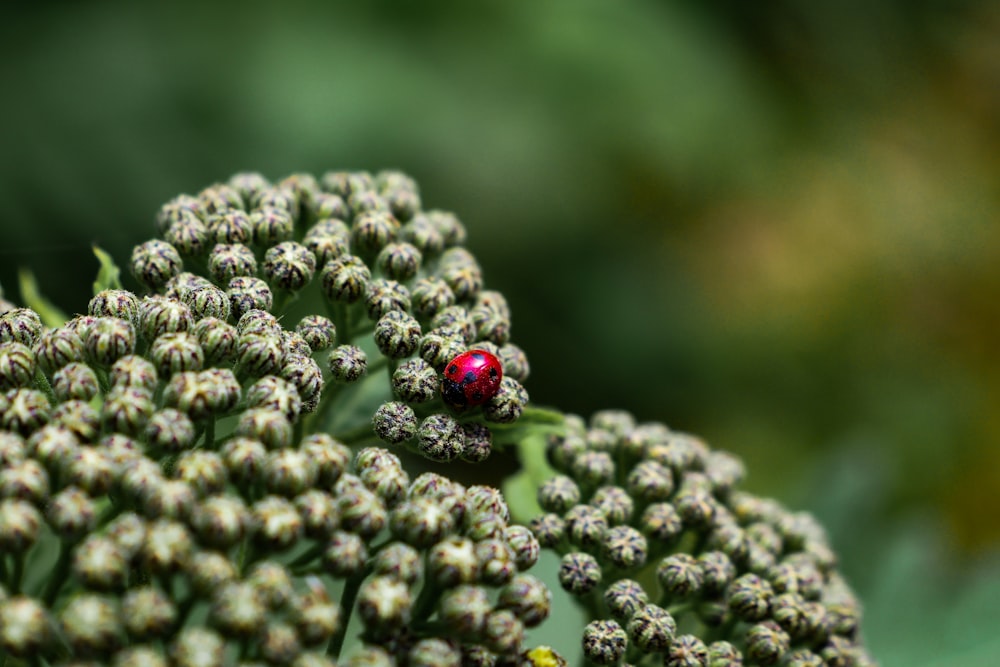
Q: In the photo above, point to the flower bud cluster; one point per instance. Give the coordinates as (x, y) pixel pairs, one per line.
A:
(185, 475)
(671, 559)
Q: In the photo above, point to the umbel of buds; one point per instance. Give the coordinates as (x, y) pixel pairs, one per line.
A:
(223, 466)
(211, 469)
(675, 565)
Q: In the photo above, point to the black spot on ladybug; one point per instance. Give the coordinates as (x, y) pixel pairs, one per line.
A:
(452, 393)
(452, 369)
(469, 377)
(477, 395)
(493, 373)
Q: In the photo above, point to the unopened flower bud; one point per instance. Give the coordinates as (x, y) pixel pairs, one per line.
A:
(440, 438)
(579, 573)
(347, 363)
(289, 266)
(345, 279)
(155, 262)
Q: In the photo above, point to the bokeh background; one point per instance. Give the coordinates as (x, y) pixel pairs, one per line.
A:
(775, 224)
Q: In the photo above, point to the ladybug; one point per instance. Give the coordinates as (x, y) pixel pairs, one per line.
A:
(471, 378)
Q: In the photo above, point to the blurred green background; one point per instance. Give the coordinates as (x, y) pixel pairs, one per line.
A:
(773, 224)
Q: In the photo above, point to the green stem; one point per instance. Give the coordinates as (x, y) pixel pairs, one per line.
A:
(59, 573)
(42, 383)
(208, 441)
(347, 599)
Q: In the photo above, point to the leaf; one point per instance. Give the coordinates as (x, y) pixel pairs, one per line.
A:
(49, 313)
(109, 275)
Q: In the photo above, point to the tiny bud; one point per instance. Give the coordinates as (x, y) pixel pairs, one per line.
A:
(397, 334)
(345, 279)
(440, 438)
(318, 332)
(624, 547)
(384, 296)
(91, 624)
(686, 651)
(289, 266)
(579, 573)
(148, 613)
(624, 598)
(155, 262)
(604, 642)
(347, 363)
(680, 576)
(75, 381)
(384, 603)
(246, 294)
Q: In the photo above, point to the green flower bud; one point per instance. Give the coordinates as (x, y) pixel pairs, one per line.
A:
(171, 499)
(316, 618)
(650, 482)
(347, 363)
(384, 296)
(503, 633)
(803, 658)
(27, 410)
(189, 236)
(248, 184)
(228, 261)
(440, 438)
(624, 598)
(25, 627)
(766, 643)
(218, 340)
(24, 479)
(108, 340)
(78, 418)
(237, 609)
(514, 362)
(57, 348)
(288, 472)
(400, 561)
(92, 625)
(274, 393)
(372, 229)
(180, 207)
(230, 227)
(604, 642)
(394, 422)
(218, 199)
(208, 301)
(415, 381)
(91, 469)
(652, 628)
(277, 524)
(319, 512)
(361, 511)
(452, 561)
(289, 266)
(115, 303)
(750, 597)
(496, 561)
(434, 652)
(169, 431)
(508, 403)
(197, 647)
(133, 372)
(318, 332)
(279, 644)
(75, 381)
(478, 443)
(128, 531)
(167, 546)
(271, 226)
(260, 354)
(178, 287)
(345, 554)
(209, 570)
(397, 334)
(680, 576)
(399, 261)
(615, 503)
(275, 197)
(384, 603)
(272, 582)
(430, 296)
(345, 279)
(71, 513)
(20, 325)
(327, 205)
(202, 394)
(624, 547)
(726, 536)
(579, 573)
(247, 293)
(686, 651)
(328, 456)
(127, 410)
(20, 524)
(328, 240)
(585, 526)
(528, 598)
(159, 315)
(155, 262)
(220, 521)
(440, 346)
(100, 564)
(717, 571)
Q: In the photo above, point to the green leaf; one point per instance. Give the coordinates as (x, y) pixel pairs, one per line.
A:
(109, 275)
(49, 313)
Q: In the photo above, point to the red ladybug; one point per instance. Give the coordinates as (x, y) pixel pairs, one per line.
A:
(471, 378)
